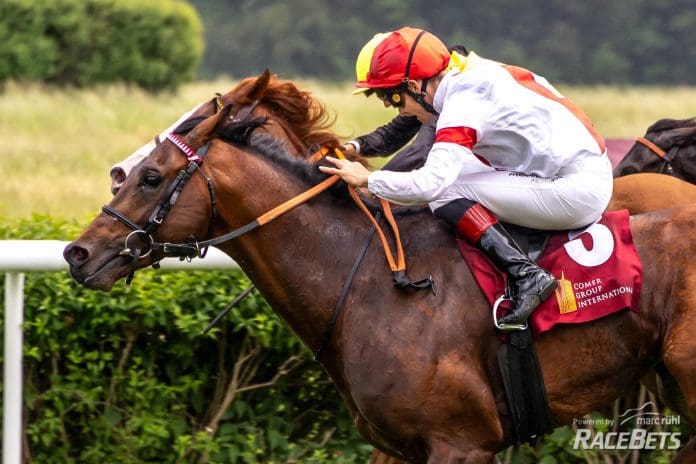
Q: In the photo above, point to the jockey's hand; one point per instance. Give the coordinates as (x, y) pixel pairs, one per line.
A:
(349, 149)
(351, 172)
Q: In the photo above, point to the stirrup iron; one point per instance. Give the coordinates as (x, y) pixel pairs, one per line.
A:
(506, 327)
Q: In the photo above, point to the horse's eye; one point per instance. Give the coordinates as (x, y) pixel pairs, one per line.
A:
(152, 180)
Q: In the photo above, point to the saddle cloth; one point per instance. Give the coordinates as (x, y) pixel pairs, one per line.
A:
(598, 271)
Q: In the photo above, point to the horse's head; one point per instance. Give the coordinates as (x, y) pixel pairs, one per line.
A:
(669, 147)
(168, 197)
(131, 232)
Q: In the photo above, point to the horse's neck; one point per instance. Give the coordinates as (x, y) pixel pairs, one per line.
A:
(300, 260)
(299, 268)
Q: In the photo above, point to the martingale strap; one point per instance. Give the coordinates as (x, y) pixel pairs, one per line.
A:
(398, 266)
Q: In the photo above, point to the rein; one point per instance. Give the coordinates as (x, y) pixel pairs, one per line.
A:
(666, 157)
(198, 249)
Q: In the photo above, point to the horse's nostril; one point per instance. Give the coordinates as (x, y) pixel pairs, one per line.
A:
(75, 254)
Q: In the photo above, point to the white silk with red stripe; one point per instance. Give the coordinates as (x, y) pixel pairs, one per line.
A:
(508, 140)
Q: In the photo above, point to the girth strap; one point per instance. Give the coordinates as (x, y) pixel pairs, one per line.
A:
(344, 292)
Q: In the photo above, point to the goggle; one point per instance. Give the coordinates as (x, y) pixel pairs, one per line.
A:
(391, 96)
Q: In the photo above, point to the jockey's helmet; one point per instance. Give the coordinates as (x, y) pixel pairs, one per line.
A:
(390, 59)
(362, 64)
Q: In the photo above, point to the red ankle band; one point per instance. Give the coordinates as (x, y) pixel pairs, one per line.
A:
(474, 222)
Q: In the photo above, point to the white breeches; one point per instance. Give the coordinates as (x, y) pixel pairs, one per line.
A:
(576, 197)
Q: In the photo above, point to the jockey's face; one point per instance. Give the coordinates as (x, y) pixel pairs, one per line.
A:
(411, 107)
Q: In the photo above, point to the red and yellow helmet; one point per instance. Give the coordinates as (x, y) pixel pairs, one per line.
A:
(390, 58)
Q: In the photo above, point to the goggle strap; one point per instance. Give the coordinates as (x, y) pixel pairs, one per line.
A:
(410, 56)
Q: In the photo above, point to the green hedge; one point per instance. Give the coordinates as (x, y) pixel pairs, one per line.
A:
(156, 44)
(127, 377)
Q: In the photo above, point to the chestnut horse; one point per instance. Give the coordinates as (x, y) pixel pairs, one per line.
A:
(669, 147)
(434, 393)
(645, 192)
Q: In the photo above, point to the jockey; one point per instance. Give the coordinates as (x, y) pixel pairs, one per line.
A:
(508, 146)
(391, 137)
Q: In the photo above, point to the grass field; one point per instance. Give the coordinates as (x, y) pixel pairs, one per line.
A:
(58, 146)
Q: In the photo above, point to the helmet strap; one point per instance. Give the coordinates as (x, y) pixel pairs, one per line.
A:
(420, 97)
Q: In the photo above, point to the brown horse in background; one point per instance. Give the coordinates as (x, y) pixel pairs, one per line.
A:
(646, 192)
(434, 393)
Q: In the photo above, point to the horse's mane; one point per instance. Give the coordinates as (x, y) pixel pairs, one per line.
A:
(242, 133)
(307, 117)
(669, 124)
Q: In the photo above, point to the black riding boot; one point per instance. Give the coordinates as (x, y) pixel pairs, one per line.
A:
(530, 285)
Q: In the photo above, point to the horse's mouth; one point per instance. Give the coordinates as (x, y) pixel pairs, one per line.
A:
(103, 277)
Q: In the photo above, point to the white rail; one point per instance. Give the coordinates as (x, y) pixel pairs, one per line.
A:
(16, 258)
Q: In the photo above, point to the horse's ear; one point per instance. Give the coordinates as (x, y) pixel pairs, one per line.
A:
(206, 130)
(260, 86)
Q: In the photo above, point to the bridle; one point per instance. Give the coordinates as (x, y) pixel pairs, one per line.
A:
(144, 234)
(165, 205)
(666, 157)
(194, 248)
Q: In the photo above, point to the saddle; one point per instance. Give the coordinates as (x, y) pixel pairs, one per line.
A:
(598, 270)
(599, 274)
